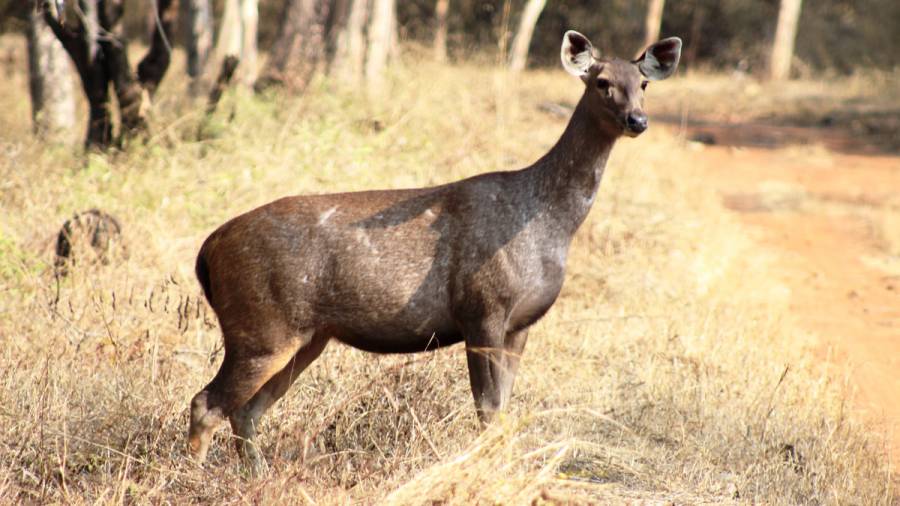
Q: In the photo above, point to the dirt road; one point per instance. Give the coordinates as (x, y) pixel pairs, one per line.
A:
(823, 215)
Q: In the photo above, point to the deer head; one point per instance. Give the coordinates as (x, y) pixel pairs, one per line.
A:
(614, 87)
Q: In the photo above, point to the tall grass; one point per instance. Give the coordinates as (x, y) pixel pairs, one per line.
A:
(669, 369)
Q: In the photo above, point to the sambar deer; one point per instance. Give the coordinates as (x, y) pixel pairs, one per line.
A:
(401, 271)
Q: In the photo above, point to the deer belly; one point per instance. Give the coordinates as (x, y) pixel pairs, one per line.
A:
(386, 327)
(389, 305)
(392, 342)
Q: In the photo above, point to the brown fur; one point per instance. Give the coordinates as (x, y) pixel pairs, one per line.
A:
(401, 271)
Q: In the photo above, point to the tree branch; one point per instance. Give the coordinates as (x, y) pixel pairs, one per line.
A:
(71, 40)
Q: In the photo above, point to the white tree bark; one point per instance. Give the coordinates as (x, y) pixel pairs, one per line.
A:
(198, 21)
(440, 30)
(50, 80)
(229, 39)
(394, 52)
(522, 41)
(300, 47)
(381, 29)
(249, 27)
(237, 37)
(350, 53)
(785, 35)
(653, 22)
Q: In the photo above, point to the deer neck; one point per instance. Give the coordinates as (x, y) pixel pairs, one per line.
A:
(568, 176)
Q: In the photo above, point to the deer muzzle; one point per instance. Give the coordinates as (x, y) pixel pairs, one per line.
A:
(636, 123)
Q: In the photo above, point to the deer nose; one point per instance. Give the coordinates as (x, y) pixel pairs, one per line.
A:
(637, 122)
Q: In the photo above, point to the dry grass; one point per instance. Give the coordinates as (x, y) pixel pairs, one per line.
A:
(667, 371)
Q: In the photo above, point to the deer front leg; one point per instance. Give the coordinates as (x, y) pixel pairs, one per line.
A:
(493, 358)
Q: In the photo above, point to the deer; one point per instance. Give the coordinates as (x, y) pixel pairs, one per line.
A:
(478, 261)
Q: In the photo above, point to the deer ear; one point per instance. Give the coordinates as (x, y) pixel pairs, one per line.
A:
(660, 60)
(576, 54)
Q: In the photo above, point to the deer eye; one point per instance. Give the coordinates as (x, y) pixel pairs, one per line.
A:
(603, 84)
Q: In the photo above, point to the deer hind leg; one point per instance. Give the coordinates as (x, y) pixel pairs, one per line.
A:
(493, 363)
(248, 364)
(244, 422)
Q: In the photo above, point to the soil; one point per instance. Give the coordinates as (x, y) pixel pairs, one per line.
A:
(817, 208)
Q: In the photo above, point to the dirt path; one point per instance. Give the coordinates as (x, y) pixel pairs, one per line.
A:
(822, 214)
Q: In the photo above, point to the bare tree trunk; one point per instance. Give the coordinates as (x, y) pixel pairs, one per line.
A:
(698, 19)
(394, 51)
(50, 82)
(338, 15)
(440, 30)
(134, 92)
(198, 43)
(81, 45)
(228, 42)
(350, 50)
(98, 49)
(653, 22)
(356, 37)
(522, 41)
(249, 27)
(785, 35)
(129, 92)
(238, 36)
(381, 28)
(299, 45)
